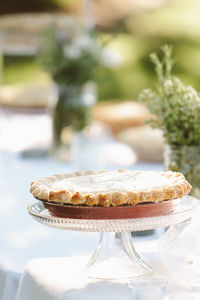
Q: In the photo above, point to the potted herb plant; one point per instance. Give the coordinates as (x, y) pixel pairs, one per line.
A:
(176, 111)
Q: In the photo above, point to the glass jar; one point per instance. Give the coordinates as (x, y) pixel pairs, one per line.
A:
(70, 109)
(185, 159)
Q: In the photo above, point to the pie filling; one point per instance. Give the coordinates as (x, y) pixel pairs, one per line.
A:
(113, 182)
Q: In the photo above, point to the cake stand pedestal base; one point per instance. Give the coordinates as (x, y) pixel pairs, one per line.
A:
(116, 258)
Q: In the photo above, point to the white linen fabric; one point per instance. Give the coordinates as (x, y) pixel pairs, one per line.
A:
(61, 279)
(9, 281)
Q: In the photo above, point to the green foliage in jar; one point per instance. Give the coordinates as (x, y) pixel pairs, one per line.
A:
(176, 106)
(71, 57)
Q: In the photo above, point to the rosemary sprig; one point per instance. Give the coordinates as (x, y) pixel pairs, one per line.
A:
(176, 106)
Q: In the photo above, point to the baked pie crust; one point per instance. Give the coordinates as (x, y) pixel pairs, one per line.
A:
(110, 188)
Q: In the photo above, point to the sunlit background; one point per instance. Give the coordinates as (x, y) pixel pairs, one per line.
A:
(134, 29)
(131, 30)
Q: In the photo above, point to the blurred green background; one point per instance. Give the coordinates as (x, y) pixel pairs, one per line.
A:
(175, 22)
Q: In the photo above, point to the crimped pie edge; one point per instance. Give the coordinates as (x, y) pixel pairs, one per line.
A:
(40, 189)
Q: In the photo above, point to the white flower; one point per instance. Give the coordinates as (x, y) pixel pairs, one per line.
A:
(168, 84)
(71, 51)
(84, 42)
(75, 48)
(192, 92)
(185, 97)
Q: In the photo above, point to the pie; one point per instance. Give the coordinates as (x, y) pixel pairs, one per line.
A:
(110, 188)
(121, 115)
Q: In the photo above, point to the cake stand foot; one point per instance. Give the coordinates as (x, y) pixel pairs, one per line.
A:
(116, 258)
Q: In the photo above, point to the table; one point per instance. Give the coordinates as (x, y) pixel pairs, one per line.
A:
(21, 238)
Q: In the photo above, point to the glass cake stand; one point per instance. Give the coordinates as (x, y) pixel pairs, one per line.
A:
(115, 256)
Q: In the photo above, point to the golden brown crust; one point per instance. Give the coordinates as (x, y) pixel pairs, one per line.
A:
(41, 189)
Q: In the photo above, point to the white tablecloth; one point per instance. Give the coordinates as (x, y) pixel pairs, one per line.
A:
(61, 279)
(23, 239)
